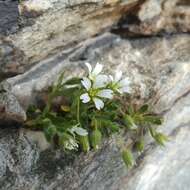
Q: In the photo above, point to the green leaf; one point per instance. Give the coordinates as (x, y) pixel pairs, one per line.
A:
(67, 92)
(143, 108)
(84, 142)
(161, 138)
(128, 120)
(156, 120)
(63, 137)
(95, 138)
(74, 107)
(128, 158)
(152, 131)
(62, 123)
(139, 145)
(31, 109)
(113, 126)
(73, 81)
(50, 132)
(59, 81)
(67, 141)
(130, 110)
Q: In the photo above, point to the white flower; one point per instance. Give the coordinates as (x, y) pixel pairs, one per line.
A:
(100, 81)
(71, 144)
(98, 103)
(85, 98)
(94, 91)
(93, 73)
(105, 93)
(86, 83)
(120, 85)
(78, 130)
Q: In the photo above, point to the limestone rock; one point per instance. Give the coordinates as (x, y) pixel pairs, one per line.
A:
(48, 27)
(9, 14)
(12, 60)
(61, 27)
(154, 17)
(65, 35)
(158, 68)
(10, 109)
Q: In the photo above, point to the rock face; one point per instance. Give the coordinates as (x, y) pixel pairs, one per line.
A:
(10, 109)
(153, 17)
(8, 16)
(11, 59)
(159, 68)
(50, 27)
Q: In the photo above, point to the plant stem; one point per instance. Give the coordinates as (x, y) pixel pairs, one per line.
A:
(78, 111)
(122, 112)
(96, 124)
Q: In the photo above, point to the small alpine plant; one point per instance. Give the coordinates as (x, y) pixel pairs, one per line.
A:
(92, 108)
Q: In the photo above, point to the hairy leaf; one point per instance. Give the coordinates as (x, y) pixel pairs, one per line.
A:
(128, 158)
(143, 109)
(128, 121)
(139, 145)
(84, 142)
(50, 131)
(156, 120)
(161, 138)
(95, 138)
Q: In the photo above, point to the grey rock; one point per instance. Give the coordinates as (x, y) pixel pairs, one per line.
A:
(10, 108)
(9, 14)
(12, 60)
(154, 17)
(64, 37)
(159, 70)
(45, 37)
(57, 25)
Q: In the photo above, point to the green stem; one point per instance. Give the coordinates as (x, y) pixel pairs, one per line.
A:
(78, 111)
(122, 112)
(96, 124)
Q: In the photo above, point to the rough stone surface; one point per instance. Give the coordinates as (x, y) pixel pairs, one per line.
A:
(159, 70)
(9, 14)
(12, 60)
(10, 109)
(48, 27)
(62, 27)
(153, 17)
(63, 37)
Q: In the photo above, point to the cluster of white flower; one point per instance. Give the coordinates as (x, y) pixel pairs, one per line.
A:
(99, 86)
(71, 144)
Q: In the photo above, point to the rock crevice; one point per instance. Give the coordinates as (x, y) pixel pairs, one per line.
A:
(64, 37)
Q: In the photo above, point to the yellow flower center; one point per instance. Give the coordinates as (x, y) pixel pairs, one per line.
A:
(93, 92)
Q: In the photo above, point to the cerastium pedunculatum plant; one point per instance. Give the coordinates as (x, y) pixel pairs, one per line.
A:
(92, 108)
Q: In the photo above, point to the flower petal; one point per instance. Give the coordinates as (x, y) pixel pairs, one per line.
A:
(80, 131)
(98, 103)
(106, 93)
(100, 81)
(118, 76)
(85, 98)
(86, 83)
(111, 78)
(124, 82)
(98, 68)
(89, 67)
(124, 89)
